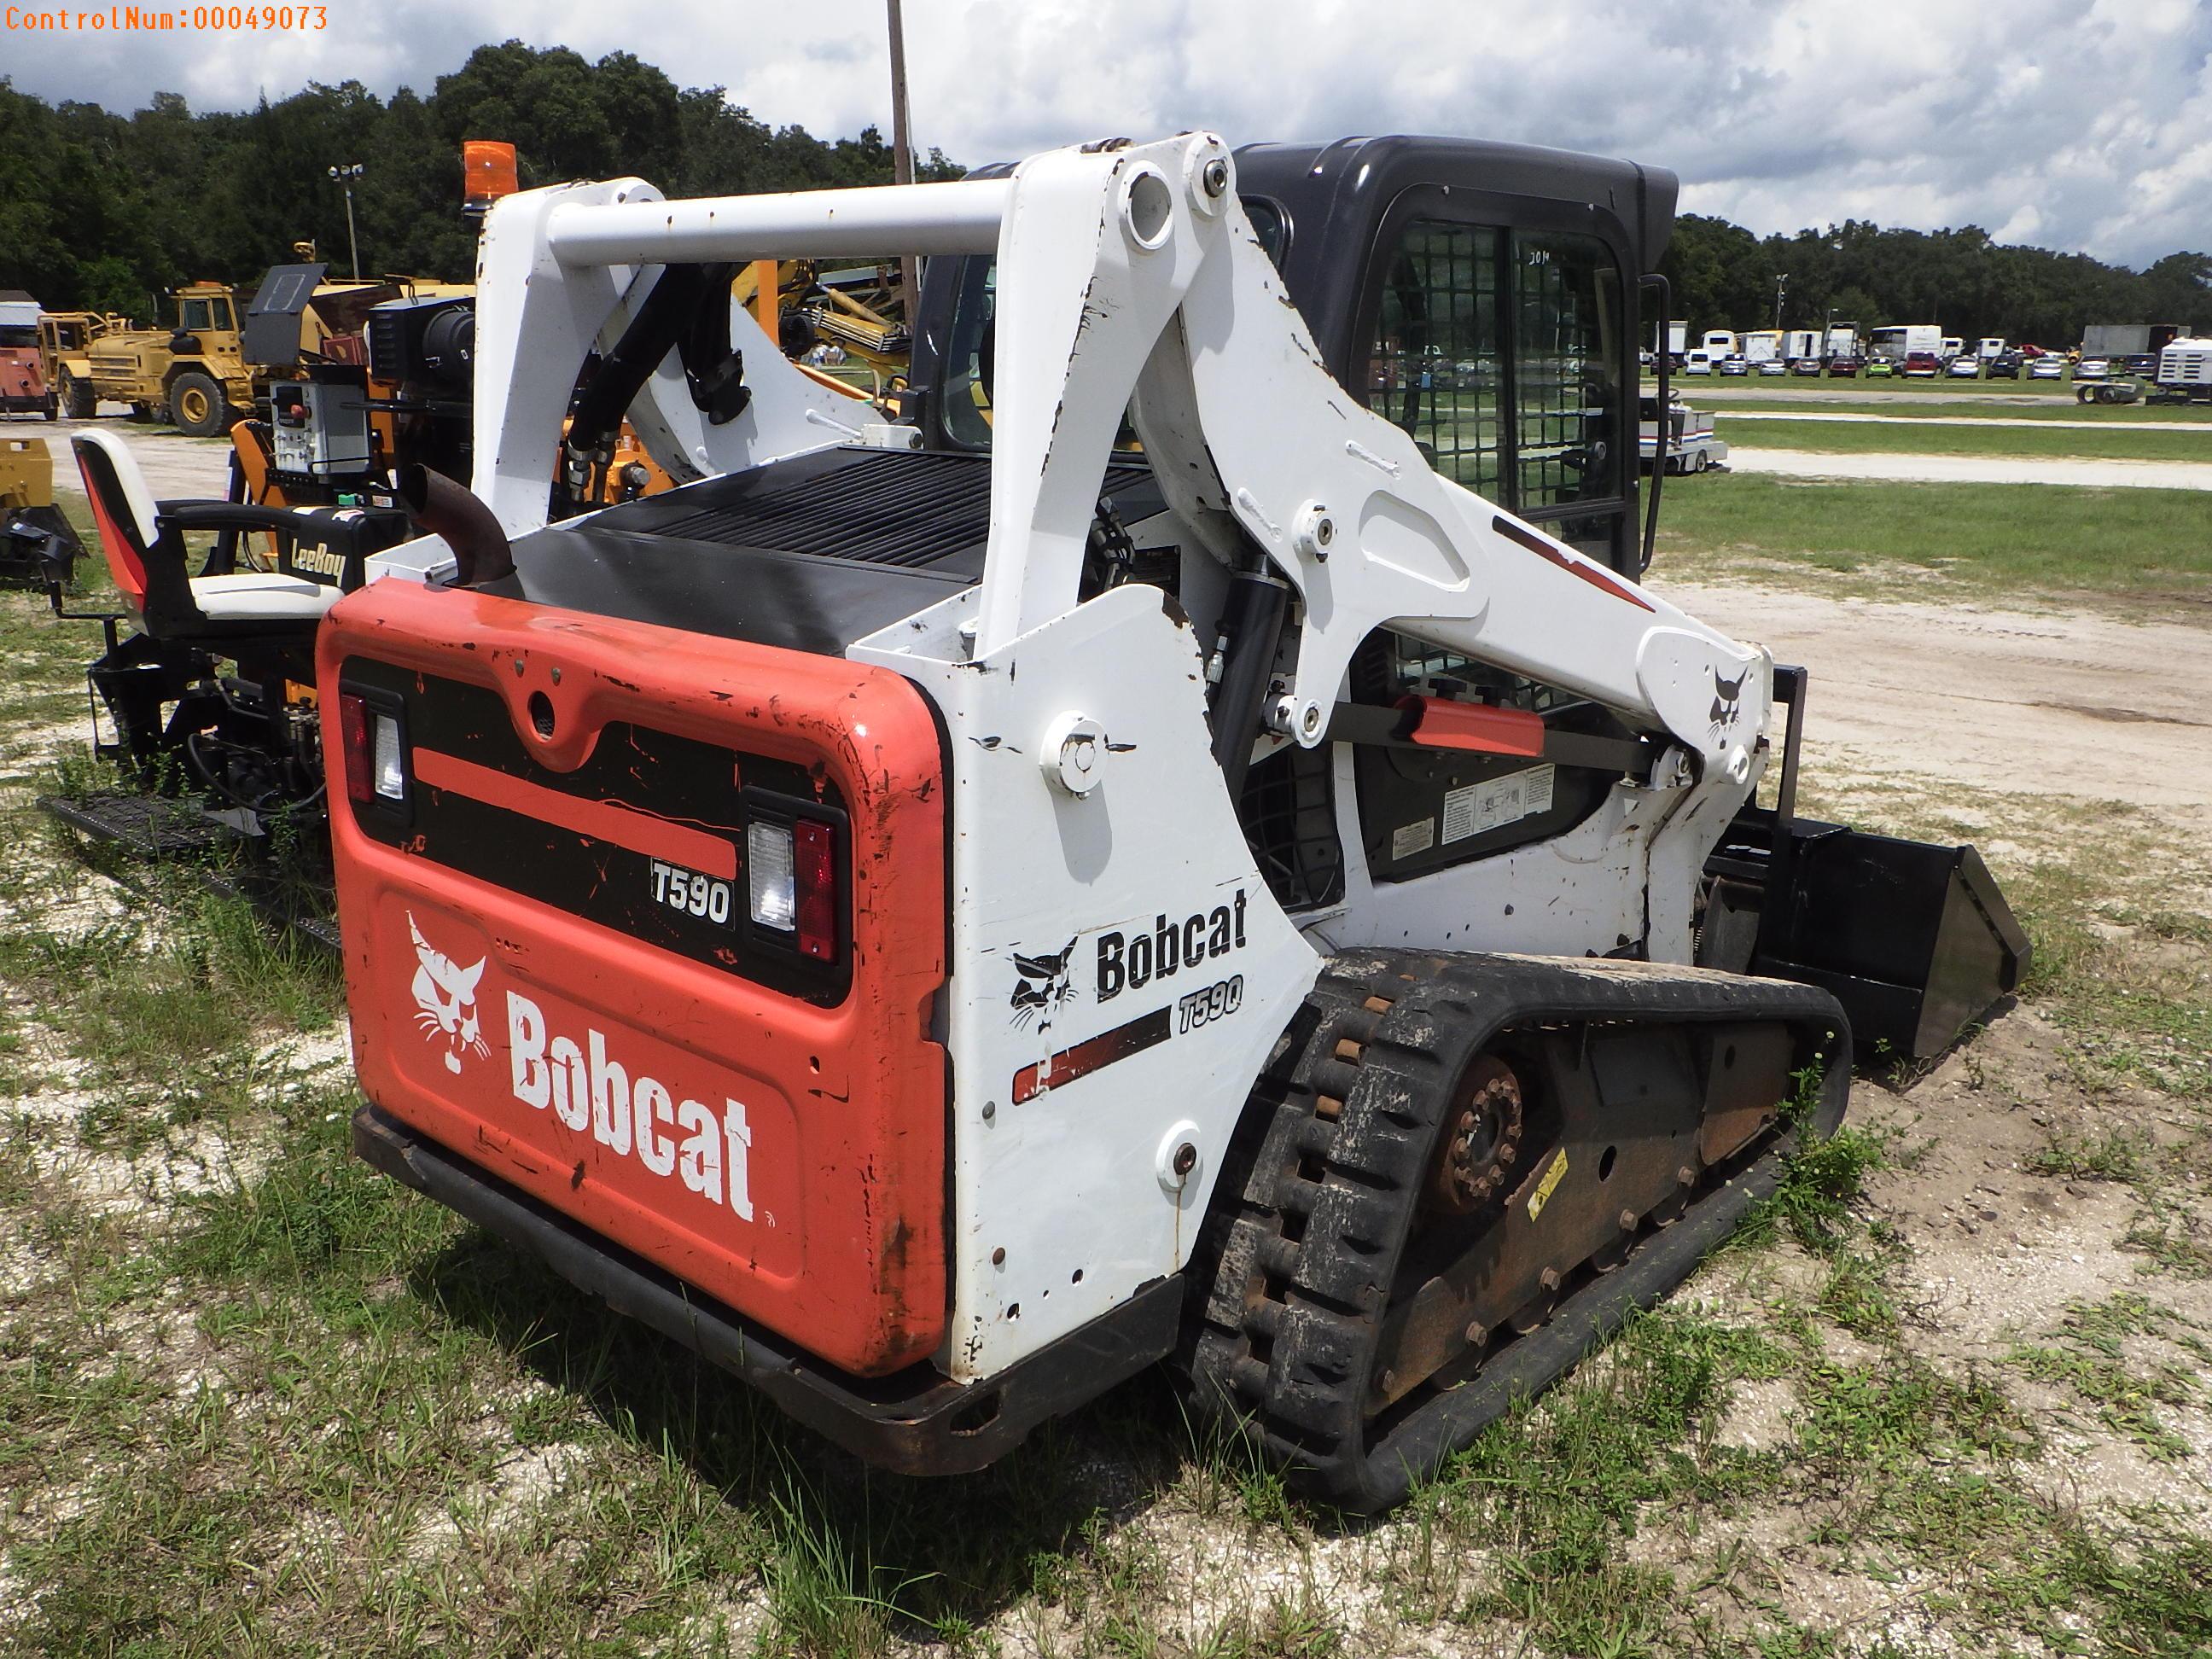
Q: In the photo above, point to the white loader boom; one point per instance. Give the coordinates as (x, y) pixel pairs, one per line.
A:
(1130, 279)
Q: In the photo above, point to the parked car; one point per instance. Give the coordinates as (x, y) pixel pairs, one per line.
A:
(1699, 361)
(2093, 368)
(1879, 368)
(2032, 351)
(2005, 366)
(1735, 365)
(1922, 365)
(1964, 368)
(1806, 366)
(1774, 366)
(1846, 366)
(2048, 366)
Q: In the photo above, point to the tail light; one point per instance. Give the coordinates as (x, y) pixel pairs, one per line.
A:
(374, 738)
(791, 879)
(815, 865)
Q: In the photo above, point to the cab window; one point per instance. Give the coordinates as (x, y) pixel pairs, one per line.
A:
(1497, 351)
(1434, 368)
(1567, 376)
(197, 315)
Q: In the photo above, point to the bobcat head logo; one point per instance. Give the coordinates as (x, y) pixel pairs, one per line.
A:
(1725, 694)
(445, 1001)
(1044, 988)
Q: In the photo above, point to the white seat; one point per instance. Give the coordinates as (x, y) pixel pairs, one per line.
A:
(262, 596)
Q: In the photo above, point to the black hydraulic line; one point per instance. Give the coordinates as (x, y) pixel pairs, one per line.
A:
(658, 322)
(1252, 619)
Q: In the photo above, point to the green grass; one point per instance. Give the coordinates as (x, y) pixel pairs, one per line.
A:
(2187, 415)
(1921, 438)
(1995, 539)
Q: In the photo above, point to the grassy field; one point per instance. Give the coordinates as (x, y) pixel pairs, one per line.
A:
(255, 1399)
(2138, 442)
(1941, 387)
(2132, 546)
(2119, 415)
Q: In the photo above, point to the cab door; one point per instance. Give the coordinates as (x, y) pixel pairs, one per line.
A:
(1496, 333)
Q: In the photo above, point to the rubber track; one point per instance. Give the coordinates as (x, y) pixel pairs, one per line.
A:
(1290, 1323)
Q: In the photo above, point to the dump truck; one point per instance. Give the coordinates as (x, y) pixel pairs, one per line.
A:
(940, 918)
(65, 340)
(25, 386)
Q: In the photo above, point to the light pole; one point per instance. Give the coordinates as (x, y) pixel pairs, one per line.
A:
(345, 173)
(1780, 277)
(903, 154)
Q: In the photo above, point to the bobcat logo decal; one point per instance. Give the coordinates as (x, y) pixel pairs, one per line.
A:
(445, 1001)
(1725, 694)
(1044, 988)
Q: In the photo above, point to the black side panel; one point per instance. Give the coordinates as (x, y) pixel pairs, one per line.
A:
(497, 835)
(271, 335)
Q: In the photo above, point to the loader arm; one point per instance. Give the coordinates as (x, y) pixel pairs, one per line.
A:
(1129, 279)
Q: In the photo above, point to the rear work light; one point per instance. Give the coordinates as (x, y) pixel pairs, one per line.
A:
(791, 876)
(376, 753)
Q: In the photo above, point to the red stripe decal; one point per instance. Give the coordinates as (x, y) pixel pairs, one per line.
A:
(1438, 724)
(602, 820)
(1596, 575)
(1085, 1058)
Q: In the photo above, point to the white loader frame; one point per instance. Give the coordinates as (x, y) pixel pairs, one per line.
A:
(1087, 805)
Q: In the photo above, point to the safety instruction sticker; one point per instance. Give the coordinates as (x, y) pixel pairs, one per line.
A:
(1548, 1185)
(1496, 802)
(1413, 838)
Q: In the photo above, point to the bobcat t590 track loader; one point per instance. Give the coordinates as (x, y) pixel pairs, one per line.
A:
(940, 916)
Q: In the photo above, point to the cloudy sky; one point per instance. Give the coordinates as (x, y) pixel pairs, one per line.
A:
(2073, 124)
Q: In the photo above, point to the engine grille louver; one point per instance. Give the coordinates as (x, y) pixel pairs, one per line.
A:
(904, 509)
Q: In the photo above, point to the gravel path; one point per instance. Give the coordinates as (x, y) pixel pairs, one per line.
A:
(2202, 426)
(1976, 469)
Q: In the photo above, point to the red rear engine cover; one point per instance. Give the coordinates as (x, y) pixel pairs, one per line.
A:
(768, 1130)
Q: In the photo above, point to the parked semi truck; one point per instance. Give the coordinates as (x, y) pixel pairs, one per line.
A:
(2132, 347)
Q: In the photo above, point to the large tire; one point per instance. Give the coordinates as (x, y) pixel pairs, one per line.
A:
(197, 407)
(78, 398)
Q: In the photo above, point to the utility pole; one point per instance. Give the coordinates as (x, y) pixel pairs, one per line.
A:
(345, 172)
(1780, 277)
(903, 156)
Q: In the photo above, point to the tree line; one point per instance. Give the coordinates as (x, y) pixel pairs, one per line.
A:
(105, 212)
(1723, 276)
(102, 211)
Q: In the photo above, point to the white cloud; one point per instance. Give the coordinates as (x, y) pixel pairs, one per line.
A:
(2082, 124)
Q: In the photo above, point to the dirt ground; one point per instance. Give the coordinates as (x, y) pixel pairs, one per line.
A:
(2034, 703)
(174, 466)
(2002, 1211)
